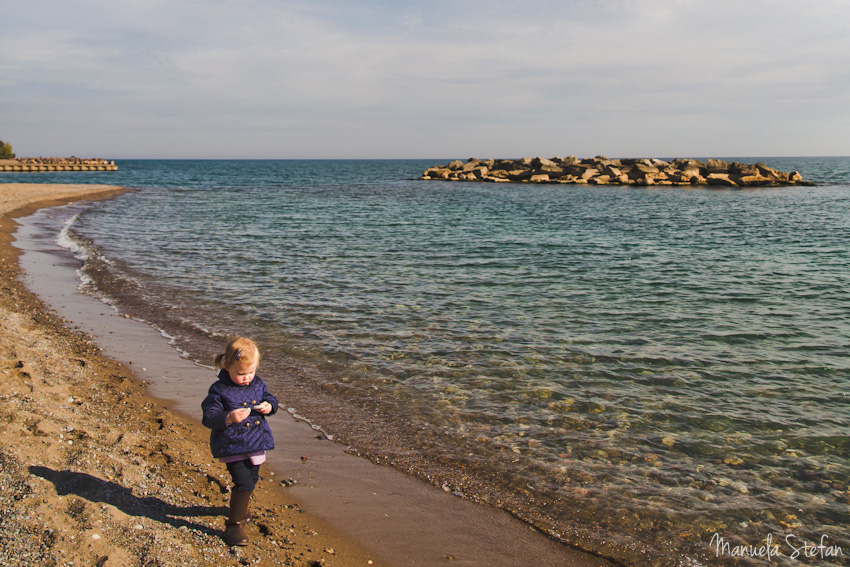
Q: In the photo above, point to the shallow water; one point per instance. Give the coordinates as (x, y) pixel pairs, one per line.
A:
(631, 370)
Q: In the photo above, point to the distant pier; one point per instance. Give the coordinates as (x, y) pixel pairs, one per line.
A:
(34, 165)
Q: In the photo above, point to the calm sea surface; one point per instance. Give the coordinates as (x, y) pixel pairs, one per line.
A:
(631, 370)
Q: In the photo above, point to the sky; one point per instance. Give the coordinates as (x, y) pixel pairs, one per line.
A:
(441, 79)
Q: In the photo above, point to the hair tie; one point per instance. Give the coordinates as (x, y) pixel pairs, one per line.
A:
(238, 354)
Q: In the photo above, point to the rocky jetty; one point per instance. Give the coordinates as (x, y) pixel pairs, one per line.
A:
(603, 171)
(31, 164)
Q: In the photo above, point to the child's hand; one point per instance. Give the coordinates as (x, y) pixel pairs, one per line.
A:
(238, 415)
(264, 408)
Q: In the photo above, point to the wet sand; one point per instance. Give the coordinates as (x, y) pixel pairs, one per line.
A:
(360, 511)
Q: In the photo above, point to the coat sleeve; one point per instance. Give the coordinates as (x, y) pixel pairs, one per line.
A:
(214, 415)
(268, 397)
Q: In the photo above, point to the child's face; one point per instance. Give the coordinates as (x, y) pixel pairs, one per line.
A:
(242, 373)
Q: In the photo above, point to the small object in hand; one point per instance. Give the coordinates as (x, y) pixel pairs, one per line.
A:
(257, 407)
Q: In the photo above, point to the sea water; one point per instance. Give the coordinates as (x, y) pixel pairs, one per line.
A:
(658, 375)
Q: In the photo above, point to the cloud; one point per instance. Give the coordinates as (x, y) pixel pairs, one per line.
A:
(419, 80)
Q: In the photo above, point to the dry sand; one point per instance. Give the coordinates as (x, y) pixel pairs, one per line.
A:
(93, 471)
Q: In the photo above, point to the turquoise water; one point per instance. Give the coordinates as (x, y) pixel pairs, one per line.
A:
(630, 370)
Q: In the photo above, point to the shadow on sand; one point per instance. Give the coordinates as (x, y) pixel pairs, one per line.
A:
(96, 489)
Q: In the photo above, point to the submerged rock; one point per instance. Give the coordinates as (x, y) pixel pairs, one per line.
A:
(604, 171)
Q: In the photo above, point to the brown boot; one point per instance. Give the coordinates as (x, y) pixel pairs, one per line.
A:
(234, 533)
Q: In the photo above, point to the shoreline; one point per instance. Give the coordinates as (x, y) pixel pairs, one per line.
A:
(95, 470)
(344, 489)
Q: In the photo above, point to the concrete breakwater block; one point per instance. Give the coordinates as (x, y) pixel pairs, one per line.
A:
(33, 165)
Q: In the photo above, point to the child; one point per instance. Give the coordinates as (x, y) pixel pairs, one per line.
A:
(235, 409)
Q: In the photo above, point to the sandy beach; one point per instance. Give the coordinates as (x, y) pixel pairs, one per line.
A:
(98, 471)
(93, 471)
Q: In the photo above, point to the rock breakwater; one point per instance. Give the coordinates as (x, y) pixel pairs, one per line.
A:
(603, 171)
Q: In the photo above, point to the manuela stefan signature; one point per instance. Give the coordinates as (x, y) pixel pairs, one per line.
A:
(793, 547)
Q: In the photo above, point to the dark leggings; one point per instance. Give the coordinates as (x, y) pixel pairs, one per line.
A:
(244, 475)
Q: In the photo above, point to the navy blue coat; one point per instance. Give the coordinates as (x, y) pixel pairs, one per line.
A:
(250, 435)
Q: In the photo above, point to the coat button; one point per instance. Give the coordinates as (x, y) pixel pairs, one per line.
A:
(247, 424)
(257, 422)
(254, 402)
(244, 404)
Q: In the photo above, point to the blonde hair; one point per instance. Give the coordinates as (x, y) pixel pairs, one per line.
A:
(240, 349)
